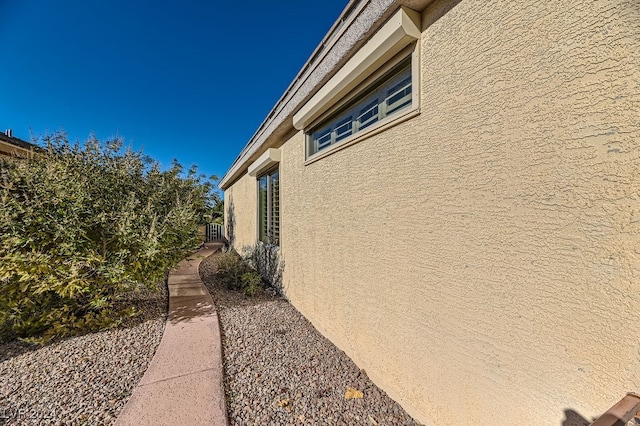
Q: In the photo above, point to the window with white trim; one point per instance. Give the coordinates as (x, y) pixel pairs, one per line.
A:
(389, 95)
(269, 207)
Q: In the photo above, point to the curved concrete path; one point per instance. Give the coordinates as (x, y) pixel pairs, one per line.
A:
(184, 382)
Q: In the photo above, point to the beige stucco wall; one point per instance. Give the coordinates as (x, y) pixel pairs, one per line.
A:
(482, 261)
(241, 212)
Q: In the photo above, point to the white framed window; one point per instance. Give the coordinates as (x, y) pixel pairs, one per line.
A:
(269, 207)
(388, 95)
(376, 88)
(369, 114)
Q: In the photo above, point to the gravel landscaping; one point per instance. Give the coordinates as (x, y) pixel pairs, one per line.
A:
(81, 380)
(280, 370)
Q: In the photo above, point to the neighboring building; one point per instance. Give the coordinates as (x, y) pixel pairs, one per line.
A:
(455, 190)
(11, 146)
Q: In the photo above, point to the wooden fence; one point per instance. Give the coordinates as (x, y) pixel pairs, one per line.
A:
(214, 232)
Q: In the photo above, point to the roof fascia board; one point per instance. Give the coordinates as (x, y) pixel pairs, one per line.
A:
(359, 21)
(348, 15)
(400, 30)
(17, 142)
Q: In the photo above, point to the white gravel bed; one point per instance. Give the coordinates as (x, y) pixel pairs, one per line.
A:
(83, 380)
(279, 370)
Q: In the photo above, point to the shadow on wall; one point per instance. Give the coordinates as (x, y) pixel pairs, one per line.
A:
(230, 219)
(439, 8)
(572, 418)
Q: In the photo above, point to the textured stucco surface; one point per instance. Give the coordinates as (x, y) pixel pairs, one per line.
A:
(241, 212)
(481, 261)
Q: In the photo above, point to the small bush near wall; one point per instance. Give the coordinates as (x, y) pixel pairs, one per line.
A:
(80, 225)
(236, 274)
(265, 258)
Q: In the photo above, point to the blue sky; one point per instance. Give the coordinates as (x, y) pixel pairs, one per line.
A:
(190, 80)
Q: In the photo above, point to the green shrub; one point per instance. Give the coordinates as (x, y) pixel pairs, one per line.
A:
(265, 259)
(251, 283)
(230, 270)
(236, 274)
(80, 225)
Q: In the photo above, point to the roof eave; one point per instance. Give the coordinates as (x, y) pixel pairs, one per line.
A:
(357, 22)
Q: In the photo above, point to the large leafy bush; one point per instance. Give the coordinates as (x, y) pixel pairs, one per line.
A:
(81, 225)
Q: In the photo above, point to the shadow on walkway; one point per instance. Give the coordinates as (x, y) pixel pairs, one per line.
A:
(184, 383)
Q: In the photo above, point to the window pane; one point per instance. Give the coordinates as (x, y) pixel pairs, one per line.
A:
(368, 115)
(343, 128)
(274, 217)
(269, 208)
(387, 95)
(262, 209)
(322, 139)
(399, 95)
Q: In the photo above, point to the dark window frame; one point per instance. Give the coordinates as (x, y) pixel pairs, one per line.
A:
(269, 207)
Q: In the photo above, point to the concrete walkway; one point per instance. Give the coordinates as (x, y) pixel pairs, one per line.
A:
(184, 382)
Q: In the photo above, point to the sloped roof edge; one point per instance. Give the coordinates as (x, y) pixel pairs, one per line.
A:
(357, 22)
(12, 140)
